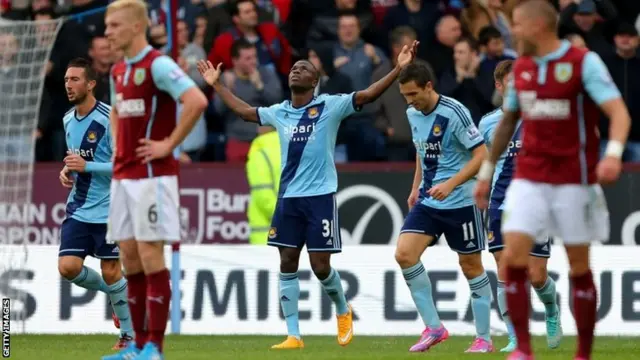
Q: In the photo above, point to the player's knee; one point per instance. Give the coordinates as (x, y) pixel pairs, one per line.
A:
(289, 259)
(405, 257)
(111, 271)
(471, 265)
(69, 269)
(320, 264)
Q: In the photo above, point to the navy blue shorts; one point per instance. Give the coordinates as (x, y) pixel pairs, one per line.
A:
(463, 227)
(311, 220)
(80, 239)
(496, 243)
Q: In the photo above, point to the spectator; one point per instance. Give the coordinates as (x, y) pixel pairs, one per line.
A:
(101, 61)
(492, 51)
(331, 82)
(255, 85)
(87, 26)
(353, 57)
(482, 13)
(219, 20)
(440, 52)
(380, 8)
(624, 66)
(461, 83)
(313, 22)
(272, 47)
(390, 108)
(577, 41)
(200, 30)
(421, 15)
(582, 19)
(193, 145)
(357, 60)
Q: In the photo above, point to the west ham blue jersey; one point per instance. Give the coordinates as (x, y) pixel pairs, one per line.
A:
(444, 140)
(90, 137)
(307, 142)
(506, 165)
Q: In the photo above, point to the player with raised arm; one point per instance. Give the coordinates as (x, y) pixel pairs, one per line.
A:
(557, 90)
(306, 211)
(87, 172)
(543, 285)
(449, 150)
(144, 212)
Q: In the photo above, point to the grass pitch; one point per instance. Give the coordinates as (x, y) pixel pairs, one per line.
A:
(71, 347)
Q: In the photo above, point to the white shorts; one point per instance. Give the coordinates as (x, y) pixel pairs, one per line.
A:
(144, 210)
(577, 214)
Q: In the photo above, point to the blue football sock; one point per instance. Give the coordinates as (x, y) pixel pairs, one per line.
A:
(333, 286)
(90, 279)
(118, 296)
(481, 305)
(420, 287)
(289, 296)
(502, 306)
(547, 295)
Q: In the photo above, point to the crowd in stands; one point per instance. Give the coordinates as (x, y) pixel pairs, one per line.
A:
(351, 42)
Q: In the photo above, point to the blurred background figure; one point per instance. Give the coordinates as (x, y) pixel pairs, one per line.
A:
(263, 176)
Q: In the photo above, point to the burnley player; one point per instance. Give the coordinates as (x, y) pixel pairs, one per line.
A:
(145, 87)
(87, 172)
(449, 150)
(557, 89)
(543, 285)
(306, 212)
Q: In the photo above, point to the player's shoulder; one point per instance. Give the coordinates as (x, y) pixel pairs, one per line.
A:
(69, 115)
(103, 111)
(332, 97)
(452, 108)
(490, 119)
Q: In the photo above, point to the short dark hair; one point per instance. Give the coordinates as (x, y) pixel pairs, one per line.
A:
(238, 45)
(472, 43)
(487, 34)
(45, 12)
(502, 70)
(400, 33)
(418, 72)
(85, 64)
(234, 6)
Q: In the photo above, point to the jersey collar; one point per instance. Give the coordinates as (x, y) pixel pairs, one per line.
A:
(555, 55)
(140, 56)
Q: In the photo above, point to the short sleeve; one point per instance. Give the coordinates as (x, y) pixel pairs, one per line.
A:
(112, 90)
(485, 129)
(170, 78)
(510, 102)
(267, 115)
(597, 80)
(344, 105)
(466, 131)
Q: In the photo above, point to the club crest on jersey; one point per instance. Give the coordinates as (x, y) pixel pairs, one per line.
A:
(273, 233)
(490, 237)
(437, 130)
(139, 76)
(92, 137)
(563, 72)
(313, 113)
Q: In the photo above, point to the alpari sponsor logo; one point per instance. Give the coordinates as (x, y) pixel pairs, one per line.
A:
(86, 154)
(297, 133)
(431, 150)
(131, 108)
(514, 148)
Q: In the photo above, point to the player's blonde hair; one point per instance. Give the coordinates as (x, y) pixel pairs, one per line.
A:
(137, 9)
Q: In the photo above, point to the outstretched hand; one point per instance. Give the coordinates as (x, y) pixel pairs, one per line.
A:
(407, 54)
(210, 74)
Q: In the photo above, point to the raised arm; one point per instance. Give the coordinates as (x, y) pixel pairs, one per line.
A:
(212, 76)
(376, 89)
